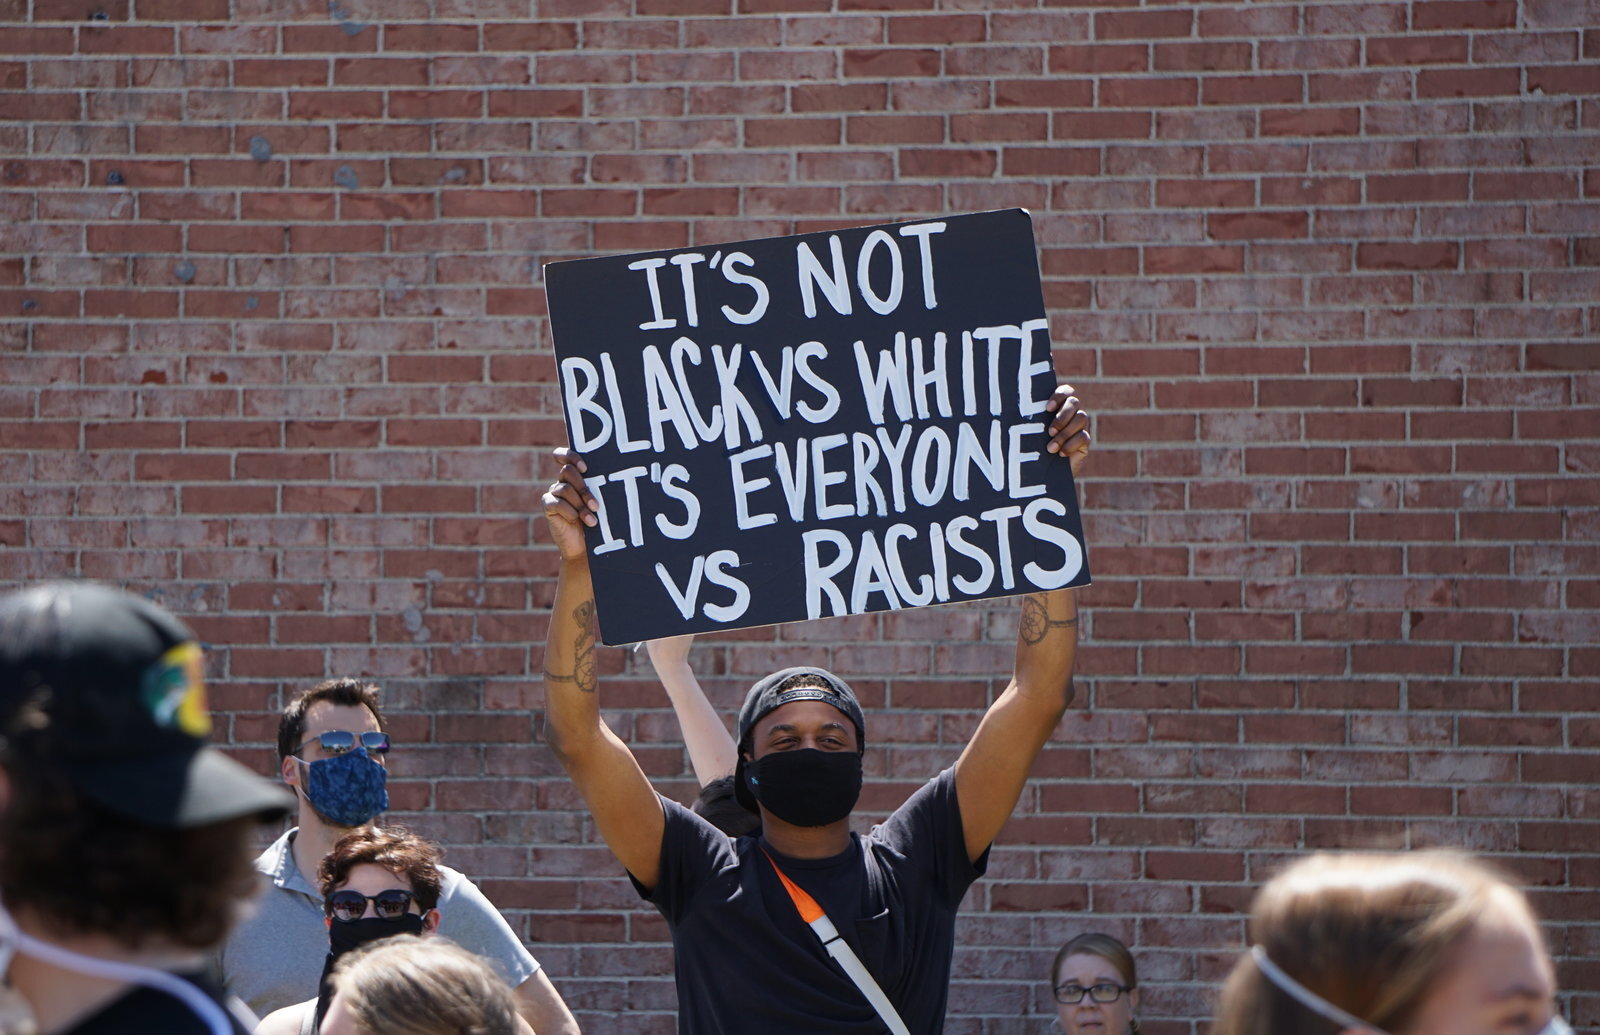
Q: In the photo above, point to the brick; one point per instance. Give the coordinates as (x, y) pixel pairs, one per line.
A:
(1421, 187)
(1310, 122)
(1560, 79)
(1479, 82)
(1113, 25)
(890, 62)
(1258, 89)
(1437, 15)
(936, 29)
(1417, 50)
(1156, 92)
(1432, 255)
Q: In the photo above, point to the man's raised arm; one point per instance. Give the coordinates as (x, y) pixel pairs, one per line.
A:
(993, 768)
(619, 795)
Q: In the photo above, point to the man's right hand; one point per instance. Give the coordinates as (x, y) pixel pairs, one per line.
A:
(569, 505)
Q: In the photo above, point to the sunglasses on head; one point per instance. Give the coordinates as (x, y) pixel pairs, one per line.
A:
(337, 742)
(348, 906)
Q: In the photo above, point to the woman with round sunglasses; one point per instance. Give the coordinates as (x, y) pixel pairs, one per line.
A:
(376, 884)
(1413, 943)
(1096, 986)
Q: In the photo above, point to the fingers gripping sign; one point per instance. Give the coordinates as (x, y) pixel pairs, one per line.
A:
(569, 506)
(1069, 428)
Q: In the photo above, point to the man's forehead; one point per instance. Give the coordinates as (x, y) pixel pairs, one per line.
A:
(812, 713)
(325, 715)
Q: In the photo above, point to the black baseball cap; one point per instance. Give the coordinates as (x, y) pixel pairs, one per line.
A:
(800, 683)
(108, 688)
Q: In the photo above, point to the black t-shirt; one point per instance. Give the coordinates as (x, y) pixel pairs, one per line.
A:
(746, 962)
(146, 1011)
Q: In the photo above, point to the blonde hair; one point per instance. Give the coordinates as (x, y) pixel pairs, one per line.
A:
(407, 985)
(1093, 943)
(1370, 933)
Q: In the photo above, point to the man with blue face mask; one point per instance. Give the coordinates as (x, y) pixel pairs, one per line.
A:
(333, 751)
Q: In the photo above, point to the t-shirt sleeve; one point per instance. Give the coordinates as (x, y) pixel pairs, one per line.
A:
(468, 918)
(692, 852)
(928, 827)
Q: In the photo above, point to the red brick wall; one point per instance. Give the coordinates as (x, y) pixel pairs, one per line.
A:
(273, 351)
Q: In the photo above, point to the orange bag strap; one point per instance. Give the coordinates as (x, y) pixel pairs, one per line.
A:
(835, 946)
(807, 906)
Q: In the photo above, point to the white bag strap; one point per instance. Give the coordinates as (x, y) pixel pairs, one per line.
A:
(840, 950)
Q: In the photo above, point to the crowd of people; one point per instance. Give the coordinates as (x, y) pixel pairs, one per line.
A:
(134, 899)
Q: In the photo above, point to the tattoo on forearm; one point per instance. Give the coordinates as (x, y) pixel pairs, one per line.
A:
(551, 677)
(583, 666)
(1037, 620)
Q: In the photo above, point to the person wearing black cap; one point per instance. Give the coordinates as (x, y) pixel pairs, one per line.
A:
(125, 839)
(880, 908)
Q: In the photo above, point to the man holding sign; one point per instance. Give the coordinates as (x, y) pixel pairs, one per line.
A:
(880, 908)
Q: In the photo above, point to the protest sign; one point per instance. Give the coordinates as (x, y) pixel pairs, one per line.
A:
(824, 424)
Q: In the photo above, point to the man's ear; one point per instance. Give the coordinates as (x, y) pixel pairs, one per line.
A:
(430, 921)
(289, 769)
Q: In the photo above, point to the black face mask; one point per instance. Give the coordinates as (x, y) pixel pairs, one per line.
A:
(806, 787)
(344, 936)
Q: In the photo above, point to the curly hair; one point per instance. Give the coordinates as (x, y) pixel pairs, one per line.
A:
(347, 692)
(404, 854)
(86, 870)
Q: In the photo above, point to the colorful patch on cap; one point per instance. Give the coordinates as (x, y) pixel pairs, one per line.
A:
(175, 691)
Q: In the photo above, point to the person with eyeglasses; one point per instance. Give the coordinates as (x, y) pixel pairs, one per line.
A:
(333, 753)
(1403, 943)
(1096, 986)
(377, 885)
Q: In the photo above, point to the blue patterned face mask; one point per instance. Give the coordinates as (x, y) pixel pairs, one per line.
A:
(348, 789)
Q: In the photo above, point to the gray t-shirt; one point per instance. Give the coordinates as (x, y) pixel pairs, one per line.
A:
(275, 958)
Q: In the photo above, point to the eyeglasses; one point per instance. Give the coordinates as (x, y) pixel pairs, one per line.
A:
(348, 906)
(337, 742)
(1104, 992)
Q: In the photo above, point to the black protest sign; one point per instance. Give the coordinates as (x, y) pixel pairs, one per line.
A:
(817, 425)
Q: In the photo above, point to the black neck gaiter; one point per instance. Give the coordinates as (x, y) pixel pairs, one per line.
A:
(344, 936)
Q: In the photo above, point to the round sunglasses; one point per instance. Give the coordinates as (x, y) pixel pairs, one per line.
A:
(348, 906)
